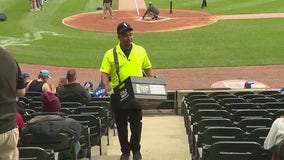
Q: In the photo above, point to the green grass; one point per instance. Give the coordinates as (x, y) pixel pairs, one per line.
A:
(41, 38)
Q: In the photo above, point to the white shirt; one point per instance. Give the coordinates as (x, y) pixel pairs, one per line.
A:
(275, 135)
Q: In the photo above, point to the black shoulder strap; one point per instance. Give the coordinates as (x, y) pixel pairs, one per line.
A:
(116, 64)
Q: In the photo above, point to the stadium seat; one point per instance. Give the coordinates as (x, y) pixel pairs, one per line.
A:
(219, 97)
(248, 97)
(204, 106)
(233, 107)
(268, 92)
(249, 114)
(71, 105)
(233, 150)
(247, 125)
(241, 93)
(62, 143)
(273, 107)
(215, 93)
(35, 153)
(93, 124)
(258, 135)
(226, 101)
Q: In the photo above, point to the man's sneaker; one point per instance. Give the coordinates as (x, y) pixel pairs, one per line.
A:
(137, 155)
(124, 157)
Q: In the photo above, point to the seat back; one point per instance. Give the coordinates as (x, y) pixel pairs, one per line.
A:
(233, 107)
(30, 94)
(248, 97)
(268, 92)
(209, 114)
(216, 134)
(277, 96)
(204, 124)
(194, 93)
(248, 125)
(35, 153)
(241, 93)
(258, 135)
(85, 142)
(226, 101)
(215, 93)
(233, 150)
(273, 106)
(277, 114)
(202, 100)
(35, 104)
(262, 100)
(62, 143)
(193, 97)
(93, 123)
(100, 99)
(204, 106)
(251, 114)
(222, 96)
(71, 105)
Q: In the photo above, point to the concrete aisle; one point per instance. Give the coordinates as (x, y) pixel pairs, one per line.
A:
(163, 138)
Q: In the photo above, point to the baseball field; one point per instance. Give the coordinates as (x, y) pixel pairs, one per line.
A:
(40, 37)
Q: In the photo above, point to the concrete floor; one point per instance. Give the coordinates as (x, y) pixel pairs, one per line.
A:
(163, 138)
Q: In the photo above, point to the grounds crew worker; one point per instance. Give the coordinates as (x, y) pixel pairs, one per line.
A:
(152, 12)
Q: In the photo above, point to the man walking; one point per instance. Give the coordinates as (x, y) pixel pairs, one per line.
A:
(107, 7)
(131, 60)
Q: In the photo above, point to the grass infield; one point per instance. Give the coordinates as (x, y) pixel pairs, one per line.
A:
(40, 37)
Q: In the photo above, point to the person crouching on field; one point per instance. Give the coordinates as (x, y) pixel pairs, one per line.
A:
(152, 11)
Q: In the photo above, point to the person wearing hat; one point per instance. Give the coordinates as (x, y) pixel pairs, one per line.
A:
(12, 86)
(152, 11)
(50, 121)
(88, 85)
(281, 90)
(132, 61)
(26, 77)
(40, 84)
(248, 84)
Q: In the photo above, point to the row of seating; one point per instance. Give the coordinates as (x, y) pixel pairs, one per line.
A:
(222, 130)
(96, 119)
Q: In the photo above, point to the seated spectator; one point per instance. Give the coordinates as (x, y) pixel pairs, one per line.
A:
(61, 83)
(50, 122)
(152, 11)
(99, 91)
(26, 77)
(20, 122)
(282, 91)
(40, 84)
(248, 84)
(73, 91)
(88, 85)
(276, 133)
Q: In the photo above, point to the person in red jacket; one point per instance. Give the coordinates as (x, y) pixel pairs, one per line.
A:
(20, 122)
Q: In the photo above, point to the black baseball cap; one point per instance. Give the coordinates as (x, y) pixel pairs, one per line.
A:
(121, 27)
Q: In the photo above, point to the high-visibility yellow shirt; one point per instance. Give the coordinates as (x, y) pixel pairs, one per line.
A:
(131, 66)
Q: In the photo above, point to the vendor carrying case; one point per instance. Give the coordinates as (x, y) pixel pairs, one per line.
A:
(141, 92)
(148, 92)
